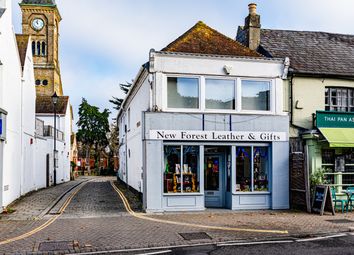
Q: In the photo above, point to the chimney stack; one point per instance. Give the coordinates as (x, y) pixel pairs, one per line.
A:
(253, 27)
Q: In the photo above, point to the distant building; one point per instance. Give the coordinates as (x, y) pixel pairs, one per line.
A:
(204, 126)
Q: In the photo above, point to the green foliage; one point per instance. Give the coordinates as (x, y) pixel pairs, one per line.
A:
(118, 101)
(93, 127)
(318, 177)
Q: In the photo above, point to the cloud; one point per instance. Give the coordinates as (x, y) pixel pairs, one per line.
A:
(104, 43)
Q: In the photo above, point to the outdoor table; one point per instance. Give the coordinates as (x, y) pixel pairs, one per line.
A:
(350, 194)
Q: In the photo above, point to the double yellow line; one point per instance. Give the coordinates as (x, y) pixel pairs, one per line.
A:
(141, 216)
(47, 223)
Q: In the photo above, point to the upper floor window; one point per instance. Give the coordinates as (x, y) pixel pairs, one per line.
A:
(256, 95)
(182, 92)
(219, 94)
(339, 99)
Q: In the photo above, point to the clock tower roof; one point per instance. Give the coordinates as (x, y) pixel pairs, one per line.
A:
(39, 2)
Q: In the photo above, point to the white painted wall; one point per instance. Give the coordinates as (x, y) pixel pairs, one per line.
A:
(63, 124)
(131, 151)
(10, 100)
(29, 179)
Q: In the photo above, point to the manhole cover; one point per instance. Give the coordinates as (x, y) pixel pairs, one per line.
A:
(55, 246)
(340, 221)
(195, 236)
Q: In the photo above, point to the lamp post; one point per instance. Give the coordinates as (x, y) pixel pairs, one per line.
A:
(55, 102)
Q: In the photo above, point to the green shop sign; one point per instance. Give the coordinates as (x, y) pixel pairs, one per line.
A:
(334, 119)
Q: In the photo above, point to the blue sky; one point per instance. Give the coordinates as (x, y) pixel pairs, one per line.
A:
(104, 42)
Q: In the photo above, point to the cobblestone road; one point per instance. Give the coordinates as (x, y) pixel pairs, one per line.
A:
(96, 220)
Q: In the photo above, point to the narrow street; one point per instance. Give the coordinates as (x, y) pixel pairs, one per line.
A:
(91, 217)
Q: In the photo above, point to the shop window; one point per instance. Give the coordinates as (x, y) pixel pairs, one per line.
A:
(252, 169)
(219, 94)
(182, 92)
(339, 99)
(181, 173)
(255, 95)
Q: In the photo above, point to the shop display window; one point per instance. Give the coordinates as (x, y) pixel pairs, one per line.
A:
(181, 174)
(252, 169)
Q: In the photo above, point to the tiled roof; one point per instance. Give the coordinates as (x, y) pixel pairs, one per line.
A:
(44, 105)
(40, 2)
(205, 40)
(22, 43)
(315, 53)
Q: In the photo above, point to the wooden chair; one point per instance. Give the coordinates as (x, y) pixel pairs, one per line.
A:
(342, 202)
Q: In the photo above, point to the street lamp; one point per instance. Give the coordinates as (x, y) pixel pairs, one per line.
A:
(55, 102)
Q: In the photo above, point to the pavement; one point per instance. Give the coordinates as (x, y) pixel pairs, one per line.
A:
(93, 218)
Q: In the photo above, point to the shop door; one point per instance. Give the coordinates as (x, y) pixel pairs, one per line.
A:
(213, 184)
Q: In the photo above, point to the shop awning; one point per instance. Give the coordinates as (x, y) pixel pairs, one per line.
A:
(339, 137)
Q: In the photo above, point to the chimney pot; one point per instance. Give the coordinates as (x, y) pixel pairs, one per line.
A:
(252, 7)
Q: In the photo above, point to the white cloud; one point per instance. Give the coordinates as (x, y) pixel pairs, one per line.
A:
(103, 43)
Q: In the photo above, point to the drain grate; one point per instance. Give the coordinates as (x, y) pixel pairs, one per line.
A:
(55, 246)
(195, 236)
(340, 221)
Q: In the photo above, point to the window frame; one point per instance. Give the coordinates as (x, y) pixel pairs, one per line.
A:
(202, 90)
(329, 105)
(271, 93)
(181, 145)
(269, 166)
(183, 109)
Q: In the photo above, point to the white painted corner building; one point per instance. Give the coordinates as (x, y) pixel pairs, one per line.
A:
(26, 150)
(207, 128)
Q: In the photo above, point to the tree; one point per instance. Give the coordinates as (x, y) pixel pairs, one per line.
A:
(93, 128)
(118, 101)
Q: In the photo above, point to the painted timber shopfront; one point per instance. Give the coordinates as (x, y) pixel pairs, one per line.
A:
(225, 169)
(333, 150)
(204, 126)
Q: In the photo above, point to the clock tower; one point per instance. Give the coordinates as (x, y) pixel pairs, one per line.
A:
(40, 20)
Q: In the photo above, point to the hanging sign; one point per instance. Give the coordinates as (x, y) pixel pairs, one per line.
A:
(232, 136)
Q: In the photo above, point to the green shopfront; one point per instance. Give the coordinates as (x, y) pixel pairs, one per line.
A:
(331, 149)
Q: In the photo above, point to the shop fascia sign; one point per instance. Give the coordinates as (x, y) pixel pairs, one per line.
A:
(334, 119)
(230, 136)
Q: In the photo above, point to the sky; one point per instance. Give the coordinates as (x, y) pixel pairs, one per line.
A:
(105, 42)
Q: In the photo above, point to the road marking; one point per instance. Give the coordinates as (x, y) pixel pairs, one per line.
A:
(255, 243)
(141, 216)
(320, 238)
(157, 252)
(47, 223)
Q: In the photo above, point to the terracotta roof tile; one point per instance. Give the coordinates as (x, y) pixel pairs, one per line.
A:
(44, 104)
(203, 39)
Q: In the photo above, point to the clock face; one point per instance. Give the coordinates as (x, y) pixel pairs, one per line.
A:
(37, 24)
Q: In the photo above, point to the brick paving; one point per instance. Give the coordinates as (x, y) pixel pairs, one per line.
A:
(96, 221)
